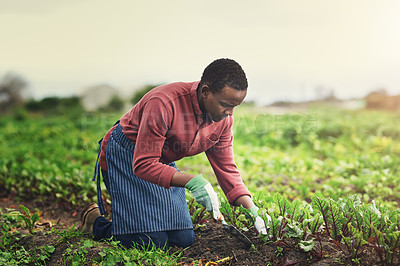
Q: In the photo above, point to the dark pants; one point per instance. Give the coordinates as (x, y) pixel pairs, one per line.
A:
(179, 238)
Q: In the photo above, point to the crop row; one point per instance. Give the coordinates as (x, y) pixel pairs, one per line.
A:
(347, 222)
(336, 153)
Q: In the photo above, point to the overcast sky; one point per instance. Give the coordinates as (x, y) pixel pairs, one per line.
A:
(287, 48)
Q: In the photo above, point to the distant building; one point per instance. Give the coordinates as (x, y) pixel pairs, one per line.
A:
(94, 97)
(380, 100)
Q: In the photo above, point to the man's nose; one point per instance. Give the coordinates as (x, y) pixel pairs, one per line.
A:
(229, 111)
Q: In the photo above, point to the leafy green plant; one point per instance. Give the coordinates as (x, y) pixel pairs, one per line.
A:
(343, 162)
(312, 223)
(28, 218)
(197, 212)
(11, 253)
(332, 214)
(68, 233)
(18, 256)
(45, 253)
(73, 256)
(387, 243)
(8, 222)
(354, 241)
(283, 204)
(279, 251)
(391, 243)
(276, 227)
(116, 254)
(307, 245)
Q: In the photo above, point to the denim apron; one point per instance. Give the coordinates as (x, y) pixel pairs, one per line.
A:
(139, 206)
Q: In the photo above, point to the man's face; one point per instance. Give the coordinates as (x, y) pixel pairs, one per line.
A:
(220, 105)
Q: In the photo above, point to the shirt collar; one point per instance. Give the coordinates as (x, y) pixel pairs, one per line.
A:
(195, 102)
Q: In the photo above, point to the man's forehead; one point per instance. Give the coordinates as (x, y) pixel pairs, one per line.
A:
(232, 96)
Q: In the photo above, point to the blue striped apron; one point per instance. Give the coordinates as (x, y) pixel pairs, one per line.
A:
(139, 206)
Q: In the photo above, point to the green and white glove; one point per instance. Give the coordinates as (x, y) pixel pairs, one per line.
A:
(259, 222)
(204, 194)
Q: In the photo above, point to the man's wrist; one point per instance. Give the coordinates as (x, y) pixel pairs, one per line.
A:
(196, 182)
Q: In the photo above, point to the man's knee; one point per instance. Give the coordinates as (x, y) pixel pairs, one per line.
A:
(181, 238)
(143, 241)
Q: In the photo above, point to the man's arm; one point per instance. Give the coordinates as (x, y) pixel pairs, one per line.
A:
(259, 223)
(222, 161)
(201, 189)
(245, 201)
(180, 179)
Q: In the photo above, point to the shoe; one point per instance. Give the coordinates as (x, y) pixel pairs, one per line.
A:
(88, 216)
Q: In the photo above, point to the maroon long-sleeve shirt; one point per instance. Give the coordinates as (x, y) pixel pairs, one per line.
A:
(167, 125)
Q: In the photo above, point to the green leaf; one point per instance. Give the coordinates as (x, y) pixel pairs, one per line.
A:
(295, 209)
(283, 204)
(14, 213)
(332, 215)
(88, 244)
(372, 207)
(294, 231)
(393, 240)
(275, 225)
(313, 223)
(25, 209)
(35, 218)
(306, 245)
(50, 249)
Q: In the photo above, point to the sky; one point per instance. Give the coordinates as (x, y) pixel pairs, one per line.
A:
(290, 49)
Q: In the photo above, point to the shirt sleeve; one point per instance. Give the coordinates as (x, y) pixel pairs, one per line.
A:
(222, 161)
(154, 124)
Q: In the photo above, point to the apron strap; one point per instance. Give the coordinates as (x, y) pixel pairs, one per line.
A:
(97, 174)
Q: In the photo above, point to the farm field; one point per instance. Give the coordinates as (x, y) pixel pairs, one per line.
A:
(327, 178)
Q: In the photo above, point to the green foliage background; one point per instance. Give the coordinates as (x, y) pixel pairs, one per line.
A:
(334, 152)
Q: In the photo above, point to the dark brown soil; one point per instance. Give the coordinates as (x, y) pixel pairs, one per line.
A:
(213, 245)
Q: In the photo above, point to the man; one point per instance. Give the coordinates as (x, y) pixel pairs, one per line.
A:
(138, 154)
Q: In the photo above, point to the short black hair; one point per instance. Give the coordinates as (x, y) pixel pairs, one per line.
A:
(224, 72)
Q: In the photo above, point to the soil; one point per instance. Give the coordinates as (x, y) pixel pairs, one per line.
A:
(213, 245)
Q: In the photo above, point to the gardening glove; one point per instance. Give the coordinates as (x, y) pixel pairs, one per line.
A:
(204, 194)
(259, 222)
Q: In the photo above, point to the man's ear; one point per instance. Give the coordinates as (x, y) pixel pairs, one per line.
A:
(205, 91)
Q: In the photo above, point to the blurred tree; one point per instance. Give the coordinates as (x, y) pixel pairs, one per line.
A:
(141, 92)
(115, 104)
(56, 105)
(11, 87)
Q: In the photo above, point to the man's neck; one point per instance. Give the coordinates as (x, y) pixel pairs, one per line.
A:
(201, 104)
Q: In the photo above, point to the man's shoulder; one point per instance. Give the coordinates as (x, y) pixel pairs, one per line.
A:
(171, 91)
(175, 88)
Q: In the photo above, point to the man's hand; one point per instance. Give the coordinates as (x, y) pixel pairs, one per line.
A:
(259, 222)
(204, 194)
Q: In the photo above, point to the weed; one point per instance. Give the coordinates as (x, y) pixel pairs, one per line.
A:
(45, 254)
(68, 233)
(279, 251)
(28, 218)
(116, 254)
(8, 231)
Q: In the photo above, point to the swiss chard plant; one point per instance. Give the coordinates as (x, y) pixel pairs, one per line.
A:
(332, 214)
